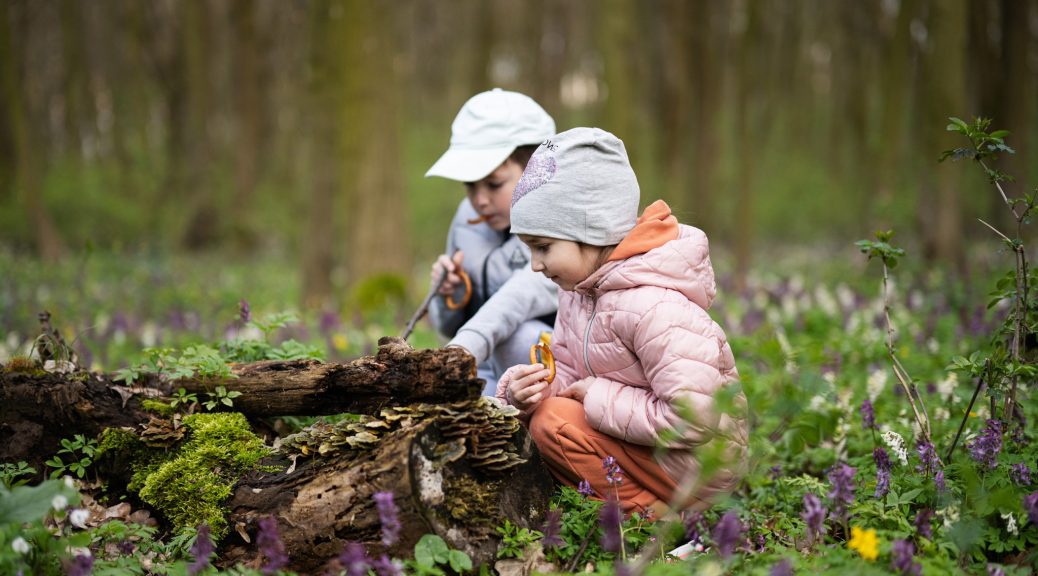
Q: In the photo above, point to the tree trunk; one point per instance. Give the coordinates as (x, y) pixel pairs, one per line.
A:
(38, 410)
(458, 472)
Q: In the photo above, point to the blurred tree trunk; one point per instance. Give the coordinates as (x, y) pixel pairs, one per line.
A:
(247, 93)
(318, 239)
(369, 131)
(76, 95)
(896, 56)
(709, 43)
(942, 81)
(1015, 111)
(616, 37)
(747, 49)
(676, 34)
(29, 154)
(203, 224)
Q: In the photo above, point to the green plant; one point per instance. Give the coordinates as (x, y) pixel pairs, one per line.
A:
(432, 555)
(10, 473)
(81, 451)
(515, 540)
(221, 396)
(29, 543)
(183, 398)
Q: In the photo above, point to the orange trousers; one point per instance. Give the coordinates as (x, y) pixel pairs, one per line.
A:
(574, 451)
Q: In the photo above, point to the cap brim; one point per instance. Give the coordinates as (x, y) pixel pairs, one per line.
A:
(469, 164)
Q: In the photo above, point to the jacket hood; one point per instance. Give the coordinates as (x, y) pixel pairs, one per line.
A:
(682, 264)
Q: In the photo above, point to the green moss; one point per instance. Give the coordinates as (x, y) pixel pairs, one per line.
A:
(190, 488)
(122, 448)
(158, 407)
(23, 365)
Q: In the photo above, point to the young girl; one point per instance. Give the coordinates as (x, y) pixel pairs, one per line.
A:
(633, 344)
(492, 139)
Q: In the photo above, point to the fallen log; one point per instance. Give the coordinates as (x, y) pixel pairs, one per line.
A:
(457, 471)
(39, 408)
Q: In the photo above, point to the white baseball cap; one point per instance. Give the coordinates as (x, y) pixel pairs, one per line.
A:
(489, 127)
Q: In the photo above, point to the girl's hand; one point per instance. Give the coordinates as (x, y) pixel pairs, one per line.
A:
(452, 264)
(527, 386)
(577, 390)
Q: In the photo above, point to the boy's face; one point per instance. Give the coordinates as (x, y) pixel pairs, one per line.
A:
(564, 262)
(492, 196)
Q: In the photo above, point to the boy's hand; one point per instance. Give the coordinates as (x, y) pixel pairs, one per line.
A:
(452, 264)
(527, 386)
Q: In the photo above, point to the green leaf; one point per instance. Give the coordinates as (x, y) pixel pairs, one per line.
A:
(459, 561)
(430, 551)
(32, 503)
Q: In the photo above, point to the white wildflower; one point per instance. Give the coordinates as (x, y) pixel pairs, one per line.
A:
(941, 413)
(149, 334)
(78, 551)
(59, 502)
(20, 545)
(70, 482)
(846, 296)
(897, 445)
(826, 302)
(876, 384)
(949, 515)
(78, 518)
(947, 386)
(789, 307)
(830, 377)
(817, 403)
(933, 346)
(796, 283)
(1010, 523)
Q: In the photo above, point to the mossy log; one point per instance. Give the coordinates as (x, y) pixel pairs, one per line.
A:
(457, 471)
(38, 408)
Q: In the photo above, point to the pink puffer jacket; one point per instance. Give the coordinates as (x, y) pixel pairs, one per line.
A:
(639, 328)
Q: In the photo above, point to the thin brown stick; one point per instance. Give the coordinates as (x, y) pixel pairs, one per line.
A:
(424, 308)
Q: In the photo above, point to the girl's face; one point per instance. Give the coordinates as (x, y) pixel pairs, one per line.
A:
(564, 262)
(492, 196)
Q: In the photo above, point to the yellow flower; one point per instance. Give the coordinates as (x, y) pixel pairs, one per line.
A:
(865, 542)
(340, 342)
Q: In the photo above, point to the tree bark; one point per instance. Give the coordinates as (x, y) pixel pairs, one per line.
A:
(440, 471)
(38, 410)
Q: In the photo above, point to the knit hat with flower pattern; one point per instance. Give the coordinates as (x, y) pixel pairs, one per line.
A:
(578, 186)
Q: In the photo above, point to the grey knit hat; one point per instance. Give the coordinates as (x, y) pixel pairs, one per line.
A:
(578, 186)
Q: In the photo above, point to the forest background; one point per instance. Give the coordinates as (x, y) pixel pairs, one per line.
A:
(291, 138)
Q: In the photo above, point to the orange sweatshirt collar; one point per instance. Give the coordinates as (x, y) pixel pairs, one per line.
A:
(655, 227)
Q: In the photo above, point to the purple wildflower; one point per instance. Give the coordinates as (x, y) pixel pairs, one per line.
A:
(1021, 474)
(727, 533)
(931, 461)
(201, 550)
(244, 312)
(125, 547)
(938, 480)
(879, 455)
(782, 568)
(985, 448)
(385, 567)
(609, 519)
(552, 529)
(922, 523)
(269, 543)
(354, 558)
(614, 474)
(1031, 505)
(585, 489)
(841, 478)
(814, 516)
(868, 415)
(693, 527)
(903, 558)
(995, 570)
(80, 565)
(387, 515)
(620, 568)
(775, 472)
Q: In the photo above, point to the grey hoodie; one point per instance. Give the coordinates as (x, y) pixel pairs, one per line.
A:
(506, 292)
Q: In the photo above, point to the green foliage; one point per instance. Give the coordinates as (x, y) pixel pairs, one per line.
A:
(881, 248)
(220, 397)
(28, 544)
(80, 453)
(12, 474)
(515, 540)
(432, 556)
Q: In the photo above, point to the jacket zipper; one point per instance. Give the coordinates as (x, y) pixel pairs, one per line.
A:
(587, 335)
